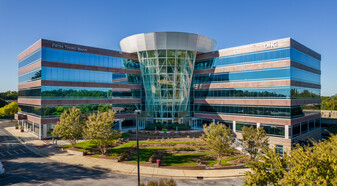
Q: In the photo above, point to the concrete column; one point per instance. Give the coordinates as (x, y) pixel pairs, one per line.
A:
(45, 127)
(258, 125)
(120, 124)
(300, 128)
(234, 126)
(40, 131)
(286, 131)
(213, 120)
(33, 128)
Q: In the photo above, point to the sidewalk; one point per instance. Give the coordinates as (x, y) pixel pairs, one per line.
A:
(55, 154)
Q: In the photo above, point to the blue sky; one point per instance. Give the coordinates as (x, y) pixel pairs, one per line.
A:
(104, 23)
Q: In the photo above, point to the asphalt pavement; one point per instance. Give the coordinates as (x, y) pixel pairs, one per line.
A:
(24, 167)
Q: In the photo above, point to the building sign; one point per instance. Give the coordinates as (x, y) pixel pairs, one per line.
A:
(271, 45)
(67, 47)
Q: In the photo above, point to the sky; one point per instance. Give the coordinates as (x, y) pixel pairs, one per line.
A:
(231, 23)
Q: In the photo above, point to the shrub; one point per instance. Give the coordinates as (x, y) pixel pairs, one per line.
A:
(172, 132)
(164, 129)
(130, 131)
(161, 182)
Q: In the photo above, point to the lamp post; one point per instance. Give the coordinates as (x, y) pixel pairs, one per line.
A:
(137, 112)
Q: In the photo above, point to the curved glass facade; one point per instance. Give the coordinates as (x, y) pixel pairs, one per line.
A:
(167, 76)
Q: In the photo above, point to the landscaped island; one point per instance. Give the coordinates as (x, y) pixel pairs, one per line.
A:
(170, 152)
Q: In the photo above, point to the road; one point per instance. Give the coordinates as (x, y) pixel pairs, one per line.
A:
(26, 168)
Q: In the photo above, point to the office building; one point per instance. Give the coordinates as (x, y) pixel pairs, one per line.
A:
(175, 77)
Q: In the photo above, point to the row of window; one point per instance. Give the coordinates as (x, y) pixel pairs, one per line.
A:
(259, 75)
(266, 56)
(63, 74)
(270, 111)
(31, 76)
(31, 58)
(51, 92)
(166, 53)
(64, 56)
(57, 110)
(259, 92)
(276, 130)
(304, 127)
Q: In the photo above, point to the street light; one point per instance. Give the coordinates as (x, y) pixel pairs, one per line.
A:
(137, 112)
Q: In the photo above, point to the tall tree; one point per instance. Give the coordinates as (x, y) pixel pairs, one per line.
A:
(269, 170)
(99, 129)
(70, 126)
(316, 165)
(253, 140)
(10, 110)
(219, 139)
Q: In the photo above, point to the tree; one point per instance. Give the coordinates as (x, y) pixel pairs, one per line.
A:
(10, 109)
(99, 130)
(253, 140)
(70, 126)
(316, 165)
(2, 102)
(219, 139)
(269, 170)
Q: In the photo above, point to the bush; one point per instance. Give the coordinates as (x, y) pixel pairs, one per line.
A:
(161, 182)
(164, 129)
(161, 126)
(183, 149)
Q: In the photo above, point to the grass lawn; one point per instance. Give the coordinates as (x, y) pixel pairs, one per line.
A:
(85, 145)
(224, 160)
(183, 159)
(169, 159)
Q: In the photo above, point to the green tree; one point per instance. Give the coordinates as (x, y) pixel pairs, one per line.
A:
(10, 110)
(2, 102)
(70, 126)
(269, 170)
(219, 139)
(316, 165)
(99, 130)
(253, 140)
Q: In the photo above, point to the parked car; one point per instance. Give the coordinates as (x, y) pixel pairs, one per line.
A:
(2, 168)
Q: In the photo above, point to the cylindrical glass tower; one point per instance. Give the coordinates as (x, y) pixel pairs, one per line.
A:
(167, 63)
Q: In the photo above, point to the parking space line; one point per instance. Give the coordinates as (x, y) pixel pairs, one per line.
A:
(2, 154)
(15, 152)
(9, 153)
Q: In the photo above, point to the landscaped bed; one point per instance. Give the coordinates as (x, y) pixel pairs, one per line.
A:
(170, 152)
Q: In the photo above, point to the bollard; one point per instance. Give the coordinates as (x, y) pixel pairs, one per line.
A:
(158, 162)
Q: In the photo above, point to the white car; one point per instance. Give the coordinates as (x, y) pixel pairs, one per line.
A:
(2, 168)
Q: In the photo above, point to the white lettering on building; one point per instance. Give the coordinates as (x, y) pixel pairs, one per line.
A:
(67, 47)
(271, 45)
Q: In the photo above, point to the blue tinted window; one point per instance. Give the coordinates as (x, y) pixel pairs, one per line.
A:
(247, 75)
(30, 76)
(253, 57)
(305, 76)
(54, 92)
(30, 59)
(266, 111)
(63, 74)
(64, 56)
(258, 92)
(305, 59)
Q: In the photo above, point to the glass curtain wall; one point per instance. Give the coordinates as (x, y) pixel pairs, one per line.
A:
(167, 76)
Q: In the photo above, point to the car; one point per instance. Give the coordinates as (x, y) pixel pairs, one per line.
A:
(2, 168)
